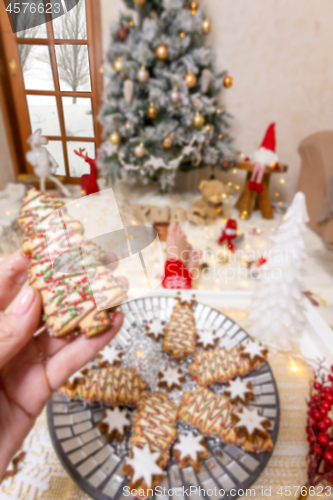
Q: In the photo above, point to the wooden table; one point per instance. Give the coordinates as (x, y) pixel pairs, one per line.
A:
(251, 199)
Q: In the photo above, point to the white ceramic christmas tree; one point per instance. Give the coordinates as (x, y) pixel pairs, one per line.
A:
(277, 311)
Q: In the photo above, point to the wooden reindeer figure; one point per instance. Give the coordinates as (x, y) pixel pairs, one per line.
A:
(43, 163)
(88, 181)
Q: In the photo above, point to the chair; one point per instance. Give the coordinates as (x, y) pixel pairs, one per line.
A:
(316, 152)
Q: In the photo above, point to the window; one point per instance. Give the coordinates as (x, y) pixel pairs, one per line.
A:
(56, 82)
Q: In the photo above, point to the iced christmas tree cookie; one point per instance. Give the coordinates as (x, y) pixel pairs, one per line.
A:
(180, 338)
(115, 423)
(189, 450)
(221, 365)
(110, 386)
(215, 416)
(66, 270)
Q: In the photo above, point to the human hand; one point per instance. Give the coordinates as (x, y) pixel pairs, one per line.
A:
(31, 368)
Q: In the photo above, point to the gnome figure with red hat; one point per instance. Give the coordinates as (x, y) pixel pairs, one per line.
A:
(263, 157)
(229, 234)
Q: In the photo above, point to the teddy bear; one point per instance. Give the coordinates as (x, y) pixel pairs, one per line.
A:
(210, 207)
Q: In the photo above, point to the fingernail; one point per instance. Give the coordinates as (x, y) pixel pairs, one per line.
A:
(23, 301)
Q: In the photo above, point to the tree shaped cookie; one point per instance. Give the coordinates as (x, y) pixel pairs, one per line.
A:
(110, 386)
(180, 338)
(66, 270)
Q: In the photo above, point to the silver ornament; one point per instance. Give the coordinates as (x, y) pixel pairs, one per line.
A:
(143, 75)
(174, 96)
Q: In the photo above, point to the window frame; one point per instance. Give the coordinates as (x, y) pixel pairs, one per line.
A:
(15, 92)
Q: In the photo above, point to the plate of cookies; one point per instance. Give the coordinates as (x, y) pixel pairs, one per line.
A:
(182, 402)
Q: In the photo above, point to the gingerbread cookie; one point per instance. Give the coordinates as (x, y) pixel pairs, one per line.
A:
(154, 422)
(144, 470)
(180, 338)
(221, 365)
(189, 450)
(110, 356)
(207, 338)
(115, 423)
(66, 270)
(171, 378)
(155, 329)
(110, 386)
(254, 351)
(215, 416)
(239, 391)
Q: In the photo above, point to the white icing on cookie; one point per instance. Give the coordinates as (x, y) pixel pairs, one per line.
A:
(171, 376)
(144, 465)
(156, 328)
(116, 420)
(185, 296)
(75, 375)
(207, 337)
(253, 349)
(189, 446)
(251, 420)
(238, 388)
(111, 354)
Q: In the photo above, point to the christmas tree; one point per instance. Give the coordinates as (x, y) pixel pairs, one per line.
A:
(161, 110)
(277, 313)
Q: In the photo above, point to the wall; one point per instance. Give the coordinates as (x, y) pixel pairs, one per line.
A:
(280, 55)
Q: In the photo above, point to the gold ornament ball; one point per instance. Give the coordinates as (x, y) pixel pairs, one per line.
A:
(139, 3)
(162, 52)
(114, 138)
(198, 120)
(191, 80)
(152, 111)
(139, 151)
(143, 75)
(118, 65)
(206, 26)
(228, 81)
(167, 143)
(194, 5)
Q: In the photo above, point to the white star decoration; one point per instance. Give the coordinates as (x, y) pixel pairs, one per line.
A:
(111, 354)
(189, 445)
(238, 387)
(116, 419)
(156, 328)
(251, 420)
(171, 376)
(144, 465)
(207, 337)
(155, 163)
(254, 349)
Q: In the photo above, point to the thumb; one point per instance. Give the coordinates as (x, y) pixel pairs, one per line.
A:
(18, 327)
